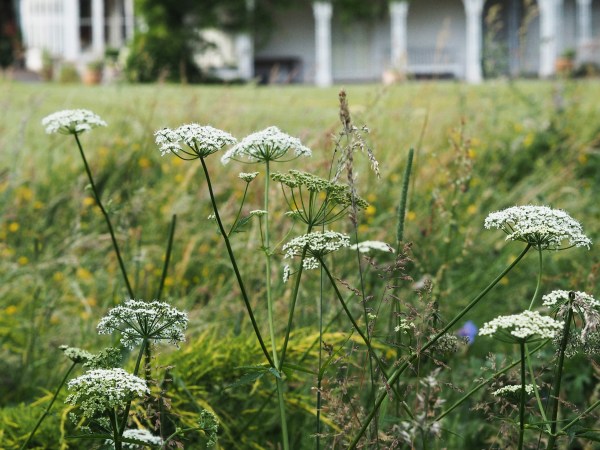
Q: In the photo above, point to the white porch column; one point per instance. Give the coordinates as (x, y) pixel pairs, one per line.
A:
(474, 12)
(72, 42)
(399, 53)
(129, 19)
(584, 22)
(98, 28)
(244, 53)
(548, 39)
(322, 12)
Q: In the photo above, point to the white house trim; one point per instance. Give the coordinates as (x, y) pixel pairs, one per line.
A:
(399, 47)
(98, 28)
(323, 70)
(548, 38)
(72, 44)
(584, 22)
(473, 11)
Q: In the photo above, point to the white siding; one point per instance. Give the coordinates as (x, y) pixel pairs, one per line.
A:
(436, 37)
(293, 36)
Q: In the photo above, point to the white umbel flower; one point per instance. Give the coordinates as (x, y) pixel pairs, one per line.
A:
(558, 297)
(103, 390)
(527, 326)
(513, 389)
(317, 245)
(137, 320)
(140, 435)
(72, 121)
(248, 177)
(541, 226)
(270, 144)
(367, 246)
(201, 141)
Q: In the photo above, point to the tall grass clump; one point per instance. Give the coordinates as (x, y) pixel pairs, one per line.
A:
(312, 292)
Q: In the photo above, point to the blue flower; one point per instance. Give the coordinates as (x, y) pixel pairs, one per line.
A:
(468, 330)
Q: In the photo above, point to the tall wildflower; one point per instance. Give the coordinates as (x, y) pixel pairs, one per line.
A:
(200, 141)
(72, 121)
(137, 321)
(101, 391)
(540, 226)
(270, 144)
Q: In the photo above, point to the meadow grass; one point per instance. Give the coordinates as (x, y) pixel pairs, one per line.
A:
(477, 149)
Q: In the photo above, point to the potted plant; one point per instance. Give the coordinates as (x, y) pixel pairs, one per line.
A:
(565, 63)
(93, 72)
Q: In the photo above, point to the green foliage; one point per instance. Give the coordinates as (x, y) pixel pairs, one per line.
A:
(58, 275)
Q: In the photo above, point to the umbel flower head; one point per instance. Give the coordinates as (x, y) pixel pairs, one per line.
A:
(583, 305)
(72, 121)
(317, 245)
(270, 144)
(140, 435)
(512, 390)
(76, 354)
(200, 141)
(137, 320)
(316, 201)
(102, 390)
(542, 227)
(367, 246)
(528, 326)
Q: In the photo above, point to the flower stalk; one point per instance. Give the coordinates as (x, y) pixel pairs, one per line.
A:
(400, 370)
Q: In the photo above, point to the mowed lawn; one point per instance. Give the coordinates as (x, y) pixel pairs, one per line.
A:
(477, 149)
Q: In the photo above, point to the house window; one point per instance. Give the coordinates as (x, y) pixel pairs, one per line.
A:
(85, 24)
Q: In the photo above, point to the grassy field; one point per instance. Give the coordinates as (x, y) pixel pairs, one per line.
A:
(477, 149)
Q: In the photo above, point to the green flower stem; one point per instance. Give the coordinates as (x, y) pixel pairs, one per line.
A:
(349, 314)
(116, 433)
(555, 397)
(41, 419)
(167, 256)
(485, 383)
(522, 402)
(235, 267)
(403, 200)
(535, 388)
(136, 370)
(239, 213)
(392, 379)
(267, 249)
(539, 280)
(106, 217)
(292, 306)
(578, 418)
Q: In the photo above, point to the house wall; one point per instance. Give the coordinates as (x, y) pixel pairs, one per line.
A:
(436, 36)
(293, 37)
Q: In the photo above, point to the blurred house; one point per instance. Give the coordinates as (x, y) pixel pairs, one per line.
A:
(76, 31)
(463, 39)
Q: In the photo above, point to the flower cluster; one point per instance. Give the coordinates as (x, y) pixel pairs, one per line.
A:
(270, 144)
(512, 389)
(137, 320)
(583, 305)
(559, 297)
(367, 246)
(317, 245)
(72, 121)
(139, 435)
(75, 354)
(201, 140)
(315, 200)
(248, 177)
(527, 326)
(540, 226)
(102, 390)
